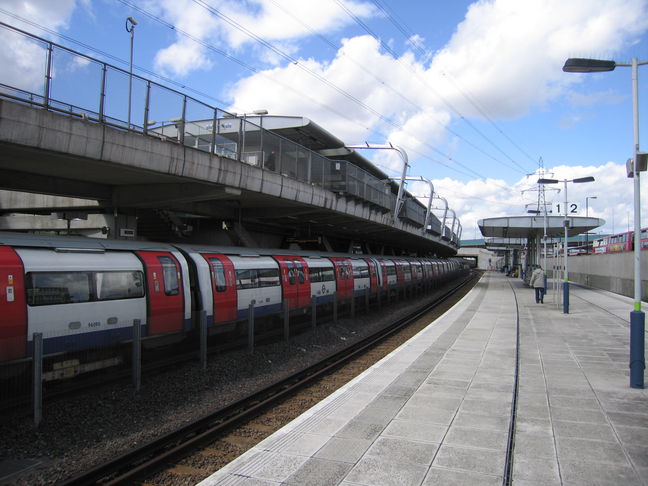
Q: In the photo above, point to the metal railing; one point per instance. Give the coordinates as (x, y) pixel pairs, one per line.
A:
(56, 78)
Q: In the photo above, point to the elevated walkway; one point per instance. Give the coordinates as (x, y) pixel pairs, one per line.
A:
(437, 411)
(203, 167)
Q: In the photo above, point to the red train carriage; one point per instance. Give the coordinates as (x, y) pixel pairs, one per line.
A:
(86, 294)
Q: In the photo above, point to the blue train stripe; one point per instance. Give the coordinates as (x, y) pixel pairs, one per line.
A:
(83, 341)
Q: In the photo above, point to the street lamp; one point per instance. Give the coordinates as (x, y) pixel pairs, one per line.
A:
(587, 198)
(637, 317)
(580, 180)
(445, 214)
(130, 28)
(431, 186)
(454, 219)
(403, 154)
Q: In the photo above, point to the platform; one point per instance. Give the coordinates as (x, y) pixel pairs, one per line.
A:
(437, 411)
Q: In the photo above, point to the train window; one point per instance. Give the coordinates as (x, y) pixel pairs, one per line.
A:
(246, 279)
(219, 274)
(315, 275)
(170, 275)
(268, 277)
(119, 285)
(345, 271)
(300, 272)
(49, 288)
(391, 269)
(291, 272)
(360, 272)
(327, 274)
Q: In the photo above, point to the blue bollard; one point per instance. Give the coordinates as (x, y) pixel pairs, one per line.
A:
(565, 297)
(637, 359)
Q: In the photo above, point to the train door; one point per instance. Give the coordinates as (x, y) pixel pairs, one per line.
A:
(400, 273)
(373, 274)
(165, 292)
(294, 281)
(223, 283)
(13, 311)
(343, 277)
(384, 280)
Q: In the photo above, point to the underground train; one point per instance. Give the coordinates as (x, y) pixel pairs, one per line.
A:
(84, 294)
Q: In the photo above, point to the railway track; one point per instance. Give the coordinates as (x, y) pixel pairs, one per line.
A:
(507, 479)
(20, 399)
(164, 453)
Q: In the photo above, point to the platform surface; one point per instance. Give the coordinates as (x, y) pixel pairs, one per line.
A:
(437, 411)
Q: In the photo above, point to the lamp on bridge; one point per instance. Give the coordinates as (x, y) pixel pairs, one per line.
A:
(580, 180)
(130, 28)
(637, 317)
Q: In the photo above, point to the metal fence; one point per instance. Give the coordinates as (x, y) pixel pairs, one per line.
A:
(56, 78)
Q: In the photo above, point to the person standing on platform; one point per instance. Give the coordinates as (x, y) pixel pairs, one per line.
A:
(538, 283)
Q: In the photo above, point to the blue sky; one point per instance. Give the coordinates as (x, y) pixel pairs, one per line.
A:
(472, 90)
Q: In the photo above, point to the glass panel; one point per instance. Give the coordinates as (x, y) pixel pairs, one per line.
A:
(76, 83)
(28, 60)
(246, 279)
(219, 274)
(119, 285)
(327, 274)
(300, 272)
(315, 274)
(271, 147)
(291, 272)
(199, 125)
(165, 112)
(170, 274)
(268, 277)
(48, 288)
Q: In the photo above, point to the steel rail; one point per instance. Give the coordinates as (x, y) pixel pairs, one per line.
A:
(152, 456)
(507, 477)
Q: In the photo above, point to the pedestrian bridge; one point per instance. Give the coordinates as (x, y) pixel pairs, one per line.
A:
(206, 174)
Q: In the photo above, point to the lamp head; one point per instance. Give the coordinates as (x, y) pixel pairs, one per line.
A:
(580, 180)
(581, 65)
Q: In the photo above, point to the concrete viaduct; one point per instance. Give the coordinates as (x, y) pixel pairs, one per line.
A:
(126, 184)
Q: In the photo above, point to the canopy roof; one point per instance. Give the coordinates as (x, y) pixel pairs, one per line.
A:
(532, 227)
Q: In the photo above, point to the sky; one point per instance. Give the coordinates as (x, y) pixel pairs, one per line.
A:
(473, 91)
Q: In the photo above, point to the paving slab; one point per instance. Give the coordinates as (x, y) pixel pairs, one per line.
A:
(437, 411)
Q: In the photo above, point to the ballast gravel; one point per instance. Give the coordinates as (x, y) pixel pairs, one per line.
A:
(84, 431)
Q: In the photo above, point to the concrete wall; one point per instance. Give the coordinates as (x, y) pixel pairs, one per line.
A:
(613, 272)
(133, 163)
(486, 259)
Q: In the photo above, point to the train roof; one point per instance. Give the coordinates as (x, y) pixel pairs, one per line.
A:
(80, 243)
(244, 251)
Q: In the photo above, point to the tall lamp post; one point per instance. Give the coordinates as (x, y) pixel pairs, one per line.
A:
(130, 28)
(587, 216)
(403, 154)
(637, 317)
(566, 225)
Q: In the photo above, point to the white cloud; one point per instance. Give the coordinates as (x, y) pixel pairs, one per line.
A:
(18, 51)
(506, 53)
(478, 199)
(232, 26)
(51, 14)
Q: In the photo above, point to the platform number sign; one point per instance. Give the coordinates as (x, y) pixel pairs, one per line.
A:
(572, 208)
